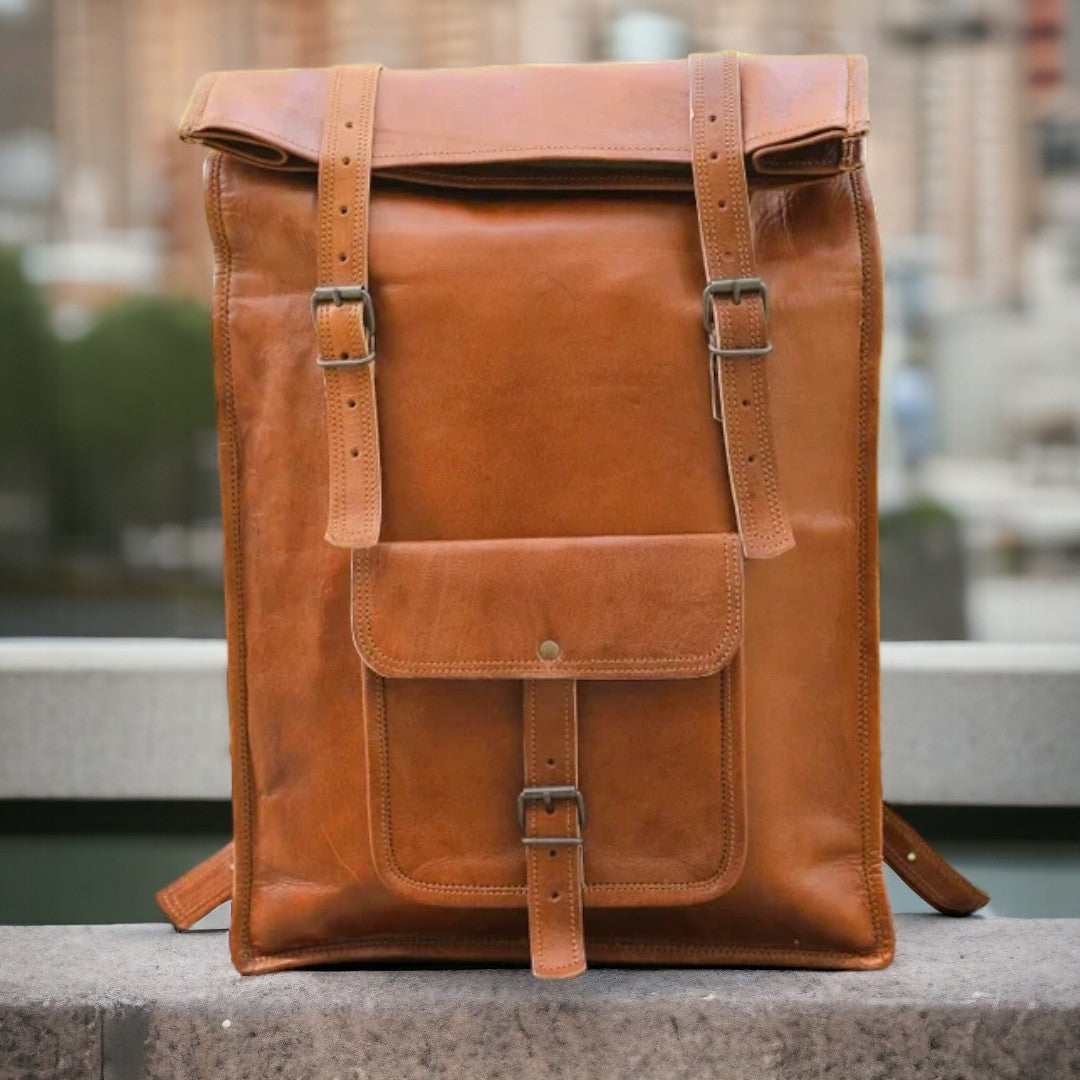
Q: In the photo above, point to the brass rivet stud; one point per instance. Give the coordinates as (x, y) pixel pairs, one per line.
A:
(549, 650)
(911, 856)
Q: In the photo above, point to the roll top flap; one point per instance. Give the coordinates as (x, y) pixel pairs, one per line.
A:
(802, 115)
(624, 607)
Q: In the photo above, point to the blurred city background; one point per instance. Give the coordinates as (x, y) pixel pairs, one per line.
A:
(109, 518)
(109, 522)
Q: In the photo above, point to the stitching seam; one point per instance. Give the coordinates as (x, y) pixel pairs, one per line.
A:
(243, 810)
(207, 127)
(573, 854)
(863, 590)
(532, 878)
(737, 954)
(192, 117)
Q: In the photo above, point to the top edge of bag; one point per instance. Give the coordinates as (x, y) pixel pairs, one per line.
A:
(802, 116)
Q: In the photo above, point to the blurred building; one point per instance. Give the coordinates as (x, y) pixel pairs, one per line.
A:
(27, 173)
(953, 160)
(974, 106)
(975, 164)
(948, 103)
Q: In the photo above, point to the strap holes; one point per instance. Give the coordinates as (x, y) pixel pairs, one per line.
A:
(342, 257)
(555, 896)
(746, 403)
(714, 156)
(552, 853)
(351, 403)
(348, 123)
(751, 458)
(712, 118)
(722, 203)
(343, 209)
(549, 809)
(551, 763)
(354, 452)
(346, 160)
(344, 355)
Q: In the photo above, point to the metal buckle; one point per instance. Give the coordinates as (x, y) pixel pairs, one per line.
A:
(547, 796)
(343, 294)
(735, 288)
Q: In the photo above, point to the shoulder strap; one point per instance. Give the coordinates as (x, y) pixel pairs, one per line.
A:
(343, 310)
(203, 887)
(735, 305)
(925, 872)
(195, 894)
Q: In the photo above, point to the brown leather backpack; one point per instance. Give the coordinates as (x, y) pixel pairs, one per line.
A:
(548, 411)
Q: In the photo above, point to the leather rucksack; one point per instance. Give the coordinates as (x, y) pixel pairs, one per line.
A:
(548, 418)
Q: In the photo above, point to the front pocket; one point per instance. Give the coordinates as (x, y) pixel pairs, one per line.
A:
(649, 627)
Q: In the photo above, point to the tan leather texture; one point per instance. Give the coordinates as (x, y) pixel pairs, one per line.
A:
(556, 512)
(620, 607)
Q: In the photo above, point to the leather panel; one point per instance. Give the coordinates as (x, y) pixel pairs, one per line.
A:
(793, 106)
(565, 416)
(611, 607)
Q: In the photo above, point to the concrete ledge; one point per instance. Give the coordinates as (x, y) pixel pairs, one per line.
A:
(963, 723)
(979, 724)
(965, 999)
(113, 719)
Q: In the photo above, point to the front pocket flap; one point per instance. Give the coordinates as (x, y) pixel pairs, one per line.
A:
(622, 607)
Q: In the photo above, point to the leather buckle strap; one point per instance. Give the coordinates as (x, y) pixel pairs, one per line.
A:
(343, 294)
(551, 810)
(735, 305)
(735, 288)
(343, 310)
(547, 796)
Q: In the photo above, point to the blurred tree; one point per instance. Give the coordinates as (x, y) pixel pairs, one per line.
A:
(26, 365)
(28, 453)
(135, 394)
